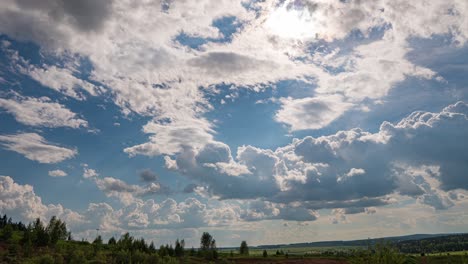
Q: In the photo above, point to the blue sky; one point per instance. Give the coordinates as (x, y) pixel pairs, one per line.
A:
(271, 122)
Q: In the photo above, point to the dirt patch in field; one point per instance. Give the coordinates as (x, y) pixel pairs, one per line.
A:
(288, 261)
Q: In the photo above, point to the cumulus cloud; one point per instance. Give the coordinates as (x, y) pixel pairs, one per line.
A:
(349, 169)
(57, 173)
(201, 166)
(21, 202)
(168, 214)
(89, 173)
(148, 73)
(34, 147)
(133, 52)
(173, 137)
(263, 210)
(311, 112)
(128, 193)
(41, 112)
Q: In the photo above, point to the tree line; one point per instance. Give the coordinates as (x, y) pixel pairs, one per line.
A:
(43, 243)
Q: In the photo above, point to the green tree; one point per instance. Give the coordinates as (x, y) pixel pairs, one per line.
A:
(152, 248)
(208, 246)
(98, 240)
(7, 232)
(40, 235)
(244, 248)
(162, 251)
(3, 221)
(57, 230)
(265, 253)
(125, 242)
(179, 248)
(112, 241)
(26, 241)
(170, 250)
(383, 253)
(205, 241)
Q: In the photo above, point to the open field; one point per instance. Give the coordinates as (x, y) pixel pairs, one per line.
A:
(303, 250)
(289, 261)
(52, 243)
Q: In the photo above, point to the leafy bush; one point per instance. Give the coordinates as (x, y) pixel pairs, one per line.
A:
(46, 259)
(383, 253)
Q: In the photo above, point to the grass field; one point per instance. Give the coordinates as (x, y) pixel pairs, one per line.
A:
(295, 250)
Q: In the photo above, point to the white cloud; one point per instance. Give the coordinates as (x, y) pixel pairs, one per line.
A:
(173, 137)
(352, 172)
(311, 112)
(41, 112)
(21, 203)
(372, 70)
(133, 52)
(129, 193)
(20, 200)
(88, 172)
(263, 210)
(35, 147)
(57, 173)
(62, 80)
(349, 169)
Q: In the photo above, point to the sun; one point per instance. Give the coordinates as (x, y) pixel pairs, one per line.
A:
(291, 21)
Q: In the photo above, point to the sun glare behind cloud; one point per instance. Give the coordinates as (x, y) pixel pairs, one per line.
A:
(291, 21)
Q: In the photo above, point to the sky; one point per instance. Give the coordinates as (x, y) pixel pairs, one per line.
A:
(267, 121)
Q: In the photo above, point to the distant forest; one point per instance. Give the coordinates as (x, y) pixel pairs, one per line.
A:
(411, 244)
(435, 244)
(53, 243)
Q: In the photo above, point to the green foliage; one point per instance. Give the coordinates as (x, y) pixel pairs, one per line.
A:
(57, 230)
(52, 244)
(265, 253)
(112, 241)
(98, 240)
(279, 252)
(179, 248)
(435, 244)
(46, 259)
(205, 241)
(383, 253)
(163, 251)
(40, 236)
(77, 257)
(244, 248)
(152, 248)
(7, 232)
(208, 247)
